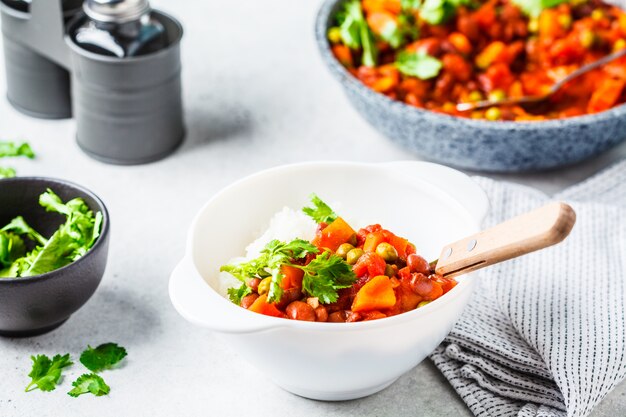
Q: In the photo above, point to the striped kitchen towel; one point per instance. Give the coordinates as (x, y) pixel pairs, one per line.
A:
(545, 334)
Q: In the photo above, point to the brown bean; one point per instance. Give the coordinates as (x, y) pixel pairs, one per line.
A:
(418, 264)
(337, 317)
(351, 317)
(289, 295)
(321, 314)
(299, 310)
(248, 300)
(254, 284)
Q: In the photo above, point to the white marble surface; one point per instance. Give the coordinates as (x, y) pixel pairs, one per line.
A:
(256, 96)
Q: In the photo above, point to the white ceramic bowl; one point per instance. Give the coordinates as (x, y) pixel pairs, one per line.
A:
(429, 204)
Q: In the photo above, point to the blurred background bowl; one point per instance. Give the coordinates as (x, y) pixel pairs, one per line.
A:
(475, 144)
(38, 304)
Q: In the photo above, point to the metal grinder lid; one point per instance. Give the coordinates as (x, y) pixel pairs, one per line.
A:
(116, 11)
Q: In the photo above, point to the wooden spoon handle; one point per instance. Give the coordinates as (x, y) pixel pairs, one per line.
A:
(527, 233)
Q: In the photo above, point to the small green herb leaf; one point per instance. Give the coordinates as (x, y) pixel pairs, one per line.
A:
(320, 212)
(11, 149)
(103, 357)
(533, 8)
(45, 373)
(355, 32)
(273, 256)
(89, 383)
(326, 274)
(236, 294)
(7, 172)
(418, 64)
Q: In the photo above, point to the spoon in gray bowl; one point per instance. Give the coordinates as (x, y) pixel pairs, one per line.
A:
(476, 105)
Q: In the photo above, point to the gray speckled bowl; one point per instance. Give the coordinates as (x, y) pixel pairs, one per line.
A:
(475, 144)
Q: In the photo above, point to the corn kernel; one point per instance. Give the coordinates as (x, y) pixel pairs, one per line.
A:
(565, 20)
(448, 107)
(497, 95)
(493, 113)
(597, 14)
(334, 35)
(533, 25)
(475, 96)
(587, 38)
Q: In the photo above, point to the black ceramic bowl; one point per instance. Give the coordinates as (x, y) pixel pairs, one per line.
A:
(38, 304)
(475, 144)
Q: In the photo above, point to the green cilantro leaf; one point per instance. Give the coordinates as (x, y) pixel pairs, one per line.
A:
(326, 274)
(418, 64)
(103, 357)
(533, 8)
(10, 149)
(45, 373)
(355, 32)
(410, 5)
(89, 383)
(236, 294)
(273, 256)
(7, 172)
(320, 212)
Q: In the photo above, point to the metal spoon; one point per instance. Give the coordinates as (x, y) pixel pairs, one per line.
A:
(553, 89)
(537, 229)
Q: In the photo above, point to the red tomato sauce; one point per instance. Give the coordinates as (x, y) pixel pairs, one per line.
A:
(492, 49)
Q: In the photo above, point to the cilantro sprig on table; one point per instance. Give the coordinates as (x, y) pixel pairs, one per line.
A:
(11, 149)
(89, 383)
(46, 373)
(103, 357)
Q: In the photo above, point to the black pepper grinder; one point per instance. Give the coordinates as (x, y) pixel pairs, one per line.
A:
(126, 84)
(120, 28)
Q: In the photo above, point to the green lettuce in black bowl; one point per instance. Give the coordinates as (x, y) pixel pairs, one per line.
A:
(54, 239)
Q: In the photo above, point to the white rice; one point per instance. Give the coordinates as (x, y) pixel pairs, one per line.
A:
(286, 225)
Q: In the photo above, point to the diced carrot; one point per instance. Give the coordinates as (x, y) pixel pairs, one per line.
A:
(606, 95)
(490, 54)
(384, 84)
(400, 244)
(261, 306)
(333, 235)
(549, 25)
(460, 42)
(376, 294)
(381, 22)
(373, 240)
(456, 65)
(392, 6)
(292, 277)
(516, 89)
(343, 55)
